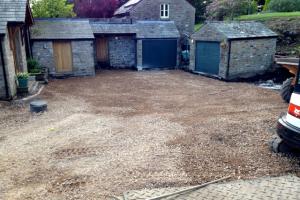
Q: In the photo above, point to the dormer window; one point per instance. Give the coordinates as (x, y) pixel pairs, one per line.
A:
(164, 11)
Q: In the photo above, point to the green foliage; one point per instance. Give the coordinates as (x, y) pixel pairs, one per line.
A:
(266, 6)
(52, 8)
(270, 16)
(33, 66)
(228, 9)
(284, 5)
(198, 27)
(22, 75)
(200, 6)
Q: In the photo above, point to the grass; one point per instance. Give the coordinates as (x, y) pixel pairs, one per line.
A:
(198, 26)
(269, 16)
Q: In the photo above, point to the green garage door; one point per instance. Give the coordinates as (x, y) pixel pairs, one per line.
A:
(159, 53)
(208, 57)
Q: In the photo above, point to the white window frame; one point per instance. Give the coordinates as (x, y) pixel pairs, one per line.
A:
(164, 11)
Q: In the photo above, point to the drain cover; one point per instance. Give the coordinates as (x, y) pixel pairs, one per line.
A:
(38, 106)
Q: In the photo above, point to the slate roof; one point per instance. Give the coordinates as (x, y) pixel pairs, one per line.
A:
(235, 30)
(111, 28)
(11, 11)
(157, 29)
(61, 29)
(126, 7)
(142, 29)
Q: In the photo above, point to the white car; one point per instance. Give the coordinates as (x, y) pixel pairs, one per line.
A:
(288, 128)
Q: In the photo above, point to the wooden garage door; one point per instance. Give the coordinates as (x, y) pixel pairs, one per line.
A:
(63, 56)
(102, 49)
(208, 57)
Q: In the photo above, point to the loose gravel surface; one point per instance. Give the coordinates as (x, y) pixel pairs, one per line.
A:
(126, 130)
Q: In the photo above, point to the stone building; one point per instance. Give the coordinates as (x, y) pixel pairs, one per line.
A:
(179, 11)
(15, 19)
(139, 45)
(64, 46)
(231, 50)
(75, 46)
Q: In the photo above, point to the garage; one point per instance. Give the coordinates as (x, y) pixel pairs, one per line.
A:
(64, 46)
(232, 50)
(157, 45)
(208, 57)
(159, 53)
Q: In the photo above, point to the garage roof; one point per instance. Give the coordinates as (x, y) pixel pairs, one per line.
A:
(142, 29)
(157, 29)
(85, 29)
(11, 11)
(61, 29)
(236, 30)
(113, 28)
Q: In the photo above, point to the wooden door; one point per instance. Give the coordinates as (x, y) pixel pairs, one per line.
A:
(63, 56)
(102, 49)
(14, 33)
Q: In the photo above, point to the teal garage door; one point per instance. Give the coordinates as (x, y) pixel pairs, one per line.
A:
(208, 57)
(159, 53)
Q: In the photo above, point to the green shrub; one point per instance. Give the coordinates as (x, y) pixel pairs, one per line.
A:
(33, 66)
(266, 6)
(228, 9)
(284, 5)
(22, 75)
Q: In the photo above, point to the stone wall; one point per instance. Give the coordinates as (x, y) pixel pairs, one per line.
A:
(181, 12)
(82, 56)
(122, 52)
(251, 57)
(42, 51)
(139, 54)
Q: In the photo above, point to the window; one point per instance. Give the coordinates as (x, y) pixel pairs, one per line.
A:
(164, 11)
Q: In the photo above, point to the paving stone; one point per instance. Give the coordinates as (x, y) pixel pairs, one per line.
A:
(269, 188)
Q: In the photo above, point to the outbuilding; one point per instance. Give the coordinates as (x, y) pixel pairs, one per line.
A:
(231, 50)
(64, 46)
(15, 20)
(115, 44)
(157, 45)
(136, 44)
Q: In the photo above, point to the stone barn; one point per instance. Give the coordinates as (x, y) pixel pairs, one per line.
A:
(64, 46)
(231, 50)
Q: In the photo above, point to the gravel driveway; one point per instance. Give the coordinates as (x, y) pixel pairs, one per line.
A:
(127, 130)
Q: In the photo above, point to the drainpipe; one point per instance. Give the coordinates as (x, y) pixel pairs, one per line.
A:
(4, 70)
(228, 59)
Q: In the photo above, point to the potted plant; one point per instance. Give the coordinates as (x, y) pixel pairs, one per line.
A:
(36, 70)
(23, 79)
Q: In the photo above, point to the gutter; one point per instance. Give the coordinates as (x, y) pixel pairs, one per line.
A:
(4, 70)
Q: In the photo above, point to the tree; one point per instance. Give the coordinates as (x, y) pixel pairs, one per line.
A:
(284, 5)
(52, 8)
(95, 8)
(222, 9)
(200, 6)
